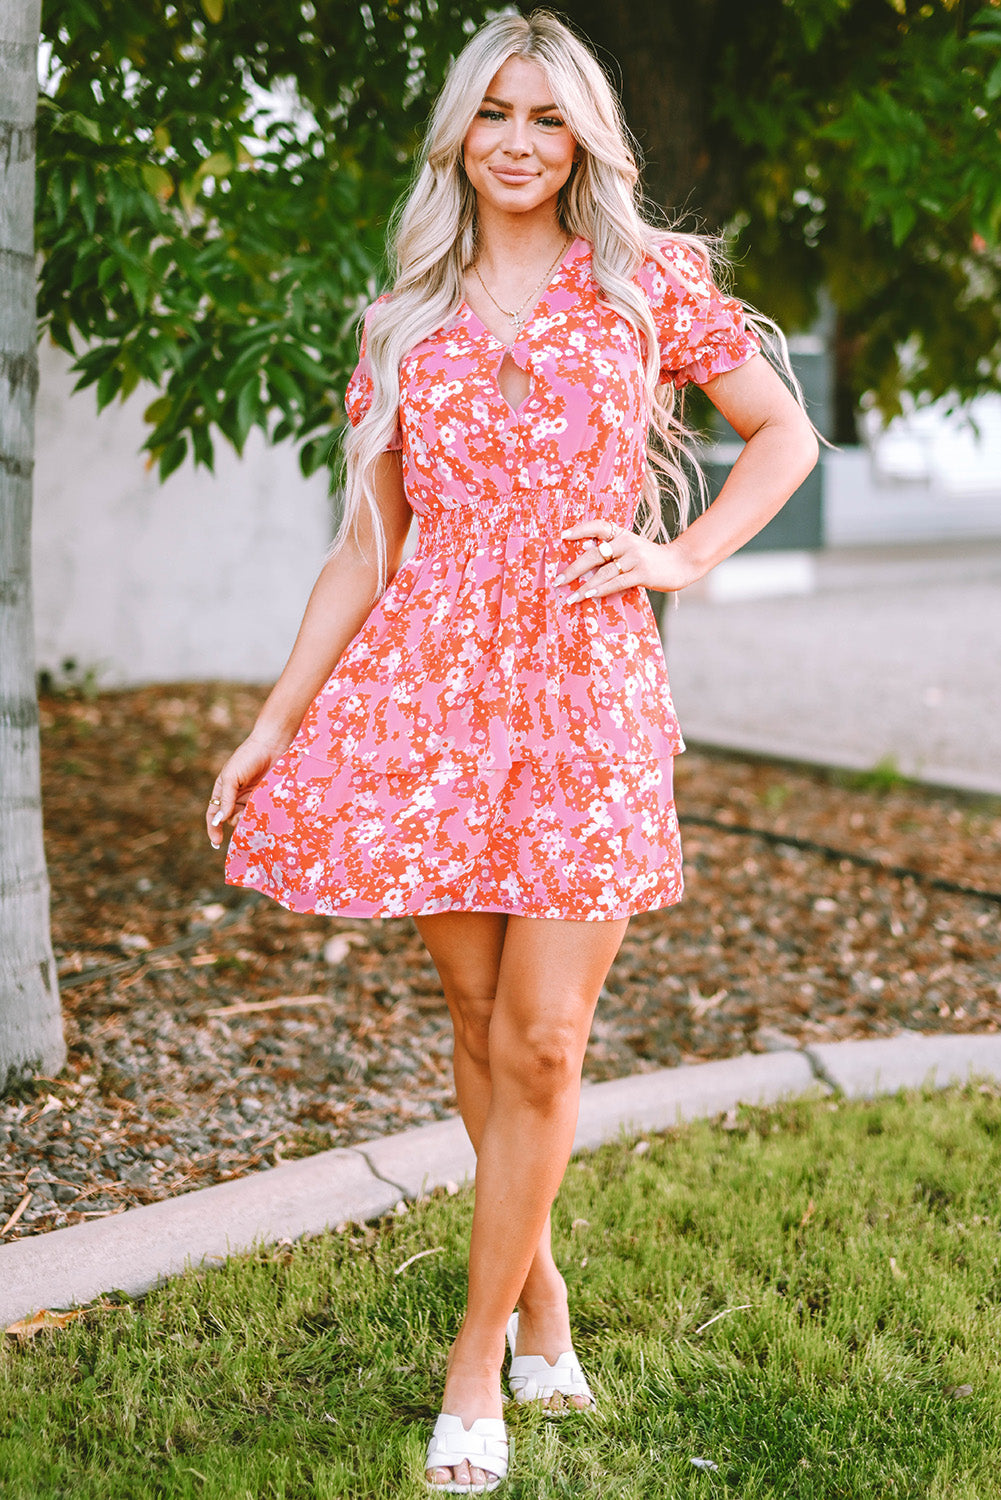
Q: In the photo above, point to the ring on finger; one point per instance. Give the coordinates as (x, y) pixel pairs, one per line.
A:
(605, 548)
(215, 802)
(610, 532)
(618, 564)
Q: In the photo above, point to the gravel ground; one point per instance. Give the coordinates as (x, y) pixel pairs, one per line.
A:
(212, 1034)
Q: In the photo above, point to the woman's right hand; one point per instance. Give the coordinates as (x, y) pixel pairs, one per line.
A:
(237, 779)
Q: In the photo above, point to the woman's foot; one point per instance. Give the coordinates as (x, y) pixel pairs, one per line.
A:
(542, 1332)
(472, 1391)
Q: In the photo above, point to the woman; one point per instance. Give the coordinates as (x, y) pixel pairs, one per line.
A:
(482, 737)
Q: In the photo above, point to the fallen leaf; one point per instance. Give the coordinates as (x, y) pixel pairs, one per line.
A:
(26, 1328)
(958, 1392)
(895, 1269)
(701, 1004)
(134, 942)
(19, 1210)
(214, 912)
(811, 1209)
(51, 1104)
(337, 948)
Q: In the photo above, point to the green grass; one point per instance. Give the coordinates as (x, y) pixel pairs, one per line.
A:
(853, 1250)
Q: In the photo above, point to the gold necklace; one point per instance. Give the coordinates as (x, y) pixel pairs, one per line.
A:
(516, 316)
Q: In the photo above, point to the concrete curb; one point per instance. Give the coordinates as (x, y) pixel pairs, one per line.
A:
(861, 1070)
(139, 1249)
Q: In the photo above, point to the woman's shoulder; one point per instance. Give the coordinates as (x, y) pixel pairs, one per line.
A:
(677, 264)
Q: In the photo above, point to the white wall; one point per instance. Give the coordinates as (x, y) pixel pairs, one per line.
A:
(205, 576)
(927, 478)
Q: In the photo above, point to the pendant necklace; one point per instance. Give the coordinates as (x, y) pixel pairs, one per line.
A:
(517, 317)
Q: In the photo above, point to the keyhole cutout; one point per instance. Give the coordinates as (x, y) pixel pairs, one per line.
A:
(513, 381)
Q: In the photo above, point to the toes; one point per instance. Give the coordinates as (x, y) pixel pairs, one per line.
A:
(438, 1476)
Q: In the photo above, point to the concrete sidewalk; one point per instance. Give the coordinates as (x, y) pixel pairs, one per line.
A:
(137, 1249)
(848, 658)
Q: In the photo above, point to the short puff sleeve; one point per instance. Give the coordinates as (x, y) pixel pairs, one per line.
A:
(701, 332)
(358, 396)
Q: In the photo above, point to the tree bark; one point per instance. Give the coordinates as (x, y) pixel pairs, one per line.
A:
(661, 59)
(31, 1035)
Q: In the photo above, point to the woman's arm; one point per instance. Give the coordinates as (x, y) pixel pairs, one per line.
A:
(780, 449)
(338, 606)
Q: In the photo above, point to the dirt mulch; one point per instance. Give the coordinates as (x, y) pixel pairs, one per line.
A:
(212, 1033)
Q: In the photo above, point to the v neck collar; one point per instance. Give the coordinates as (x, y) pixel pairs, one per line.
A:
(479, 329)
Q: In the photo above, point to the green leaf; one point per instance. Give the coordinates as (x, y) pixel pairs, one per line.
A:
(108, 386)
(108, 271)
(213, 10)
(116, 197)
(903, 218)
(158, 411)
(59, 191)
(137, 280)
(158, 180)
(86, 197)
(314, 454)
(283, 386)
(248, 411)
(188, 194)
(201, 442)
(216, 165)
(87, 128)
(173, 456)
(130, 379)
(305, 363)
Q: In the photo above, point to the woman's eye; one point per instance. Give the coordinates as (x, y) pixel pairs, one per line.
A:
(549, 120)
(490, 114)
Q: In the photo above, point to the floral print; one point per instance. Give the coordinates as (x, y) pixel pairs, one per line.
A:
(482, 745)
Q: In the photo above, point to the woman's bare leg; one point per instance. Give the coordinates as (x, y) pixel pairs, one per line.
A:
(548, 979)
(466, 950)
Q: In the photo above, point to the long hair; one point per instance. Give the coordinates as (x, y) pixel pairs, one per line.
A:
(433, 240)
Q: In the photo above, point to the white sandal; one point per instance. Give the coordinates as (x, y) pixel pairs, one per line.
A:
(532, 1378)
(484, 1446)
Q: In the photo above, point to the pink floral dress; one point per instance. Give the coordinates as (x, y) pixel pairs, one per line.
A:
(482, 744)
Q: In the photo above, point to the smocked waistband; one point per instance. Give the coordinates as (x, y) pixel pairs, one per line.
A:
(491, 515)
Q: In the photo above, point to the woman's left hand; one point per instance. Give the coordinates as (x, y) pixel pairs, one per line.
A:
(618, 560)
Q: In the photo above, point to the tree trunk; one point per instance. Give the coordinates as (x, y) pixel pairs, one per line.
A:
(31, 1036)
(661, 58)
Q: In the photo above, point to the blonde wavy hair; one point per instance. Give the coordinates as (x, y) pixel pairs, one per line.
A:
(433, 241)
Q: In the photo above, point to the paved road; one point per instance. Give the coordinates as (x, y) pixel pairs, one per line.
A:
(896, 653)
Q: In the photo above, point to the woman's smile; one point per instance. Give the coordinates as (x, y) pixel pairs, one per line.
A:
(513, 174)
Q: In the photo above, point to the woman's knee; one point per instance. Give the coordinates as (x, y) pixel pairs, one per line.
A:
(471, 1011)
(540, 1060)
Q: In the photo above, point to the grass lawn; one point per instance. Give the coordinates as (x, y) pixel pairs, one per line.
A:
(809, 1297)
